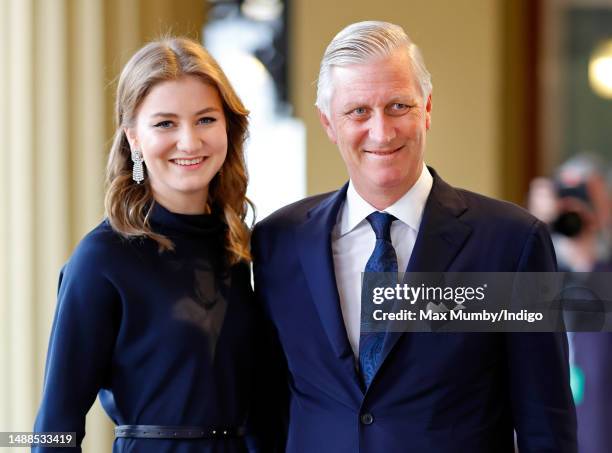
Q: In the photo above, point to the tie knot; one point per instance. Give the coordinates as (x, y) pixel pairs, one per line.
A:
(381, 224)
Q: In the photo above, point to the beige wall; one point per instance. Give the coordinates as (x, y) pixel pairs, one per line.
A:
(461, 41)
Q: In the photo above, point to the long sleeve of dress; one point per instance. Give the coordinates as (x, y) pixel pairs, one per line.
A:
(82, 340)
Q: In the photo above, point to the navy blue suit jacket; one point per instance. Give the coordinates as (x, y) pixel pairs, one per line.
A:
(438, 392)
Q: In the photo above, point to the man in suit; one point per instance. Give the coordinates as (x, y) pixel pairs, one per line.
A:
(410, 392)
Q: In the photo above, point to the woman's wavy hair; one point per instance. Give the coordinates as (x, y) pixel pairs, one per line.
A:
(128, 205)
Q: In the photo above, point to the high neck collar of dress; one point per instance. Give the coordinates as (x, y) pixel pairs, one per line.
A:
(185, 223)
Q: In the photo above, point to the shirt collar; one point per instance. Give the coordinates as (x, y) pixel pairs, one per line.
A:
(408, 209)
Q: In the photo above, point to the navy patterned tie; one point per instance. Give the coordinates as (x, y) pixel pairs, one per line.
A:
(383, 259)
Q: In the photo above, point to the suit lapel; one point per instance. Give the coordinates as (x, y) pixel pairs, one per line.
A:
(315, 252)
(441, 237)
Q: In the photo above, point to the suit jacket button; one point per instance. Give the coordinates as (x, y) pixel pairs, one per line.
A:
(367, 418)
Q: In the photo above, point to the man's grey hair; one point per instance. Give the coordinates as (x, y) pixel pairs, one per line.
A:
(363, 41)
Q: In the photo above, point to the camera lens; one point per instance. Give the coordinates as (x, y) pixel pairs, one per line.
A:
(568, 224)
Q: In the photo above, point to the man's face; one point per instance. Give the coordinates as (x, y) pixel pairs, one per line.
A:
(378, 119)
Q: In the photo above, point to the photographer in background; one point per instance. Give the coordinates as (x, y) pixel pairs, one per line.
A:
(576, 206)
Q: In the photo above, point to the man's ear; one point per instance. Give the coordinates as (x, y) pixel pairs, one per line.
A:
(329, 129)
(428, 113)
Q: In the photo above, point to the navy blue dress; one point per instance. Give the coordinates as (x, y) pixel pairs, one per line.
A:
(164, 338)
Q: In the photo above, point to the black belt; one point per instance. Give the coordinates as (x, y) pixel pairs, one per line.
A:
(177, 432)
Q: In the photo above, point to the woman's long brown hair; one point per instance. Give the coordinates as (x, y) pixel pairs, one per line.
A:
(128, 204)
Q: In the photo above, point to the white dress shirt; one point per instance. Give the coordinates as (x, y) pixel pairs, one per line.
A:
(353, 242)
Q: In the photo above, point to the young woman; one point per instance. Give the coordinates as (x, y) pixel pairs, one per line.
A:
(155, 311)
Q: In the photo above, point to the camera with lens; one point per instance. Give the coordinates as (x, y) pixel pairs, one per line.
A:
(575, 207)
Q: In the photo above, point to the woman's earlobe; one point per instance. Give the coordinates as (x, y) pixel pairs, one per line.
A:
(129, 134)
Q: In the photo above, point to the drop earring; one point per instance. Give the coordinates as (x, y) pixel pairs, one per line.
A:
(137, 169)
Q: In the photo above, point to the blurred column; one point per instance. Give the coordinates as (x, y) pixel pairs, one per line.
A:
(87, 131)
(4, 170)
(51, 124)
(89, 139)
(19, 154)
